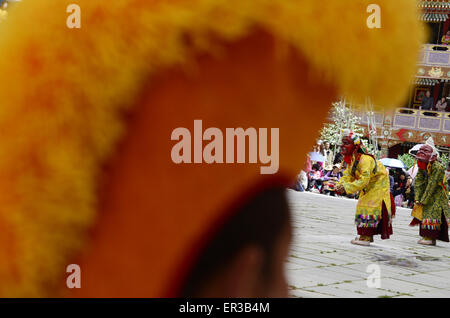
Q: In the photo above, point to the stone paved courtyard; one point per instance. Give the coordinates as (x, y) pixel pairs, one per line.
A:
(323, 263)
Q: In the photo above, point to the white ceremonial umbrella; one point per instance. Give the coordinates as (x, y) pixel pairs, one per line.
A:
(392, 163)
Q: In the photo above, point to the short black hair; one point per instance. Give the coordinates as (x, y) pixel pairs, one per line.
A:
(259, 222)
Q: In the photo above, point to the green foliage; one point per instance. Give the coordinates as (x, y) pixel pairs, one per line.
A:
(445, 159)
(407, 160)
(370, 148)
(343, 118)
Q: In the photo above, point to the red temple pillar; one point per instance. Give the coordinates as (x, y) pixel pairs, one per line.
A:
(436, 90)
(446, 27)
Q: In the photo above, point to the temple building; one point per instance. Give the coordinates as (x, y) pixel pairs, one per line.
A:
(420, 118)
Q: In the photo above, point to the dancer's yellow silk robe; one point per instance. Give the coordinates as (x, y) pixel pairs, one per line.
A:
(373, 185)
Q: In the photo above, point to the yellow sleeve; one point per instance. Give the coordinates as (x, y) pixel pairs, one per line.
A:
(365, 167)
(346, 176)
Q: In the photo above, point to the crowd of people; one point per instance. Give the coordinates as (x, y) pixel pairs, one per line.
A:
(322, 177)
(428, 103)
(379, 189)
(402, 187)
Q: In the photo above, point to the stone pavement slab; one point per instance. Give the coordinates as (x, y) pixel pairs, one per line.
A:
(323, 263)
(354, 289)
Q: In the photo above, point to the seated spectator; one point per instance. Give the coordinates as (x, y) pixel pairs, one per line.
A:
(399, 189)
(330, 180)
(301, 184)
(302, 181)
(441, 105)
(391, 180)
(315, 178)
(329, 157)
(446, 38)
(409, 192)
(427, 101)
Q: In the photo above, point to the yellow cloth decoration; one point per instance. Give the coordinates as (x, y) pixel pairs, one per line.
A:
(417, 212)
(3, 14)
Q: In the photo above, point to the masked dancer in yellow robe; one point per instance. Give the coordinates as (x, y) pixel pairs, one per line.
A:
(368, 176)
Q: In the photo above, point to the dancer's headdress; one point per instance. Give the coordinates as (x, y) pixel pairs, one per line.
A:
(357, 141)
(430, 142)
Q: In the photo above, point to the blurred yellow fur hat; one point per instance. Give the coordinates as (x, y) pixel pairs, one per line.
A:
(68, 94)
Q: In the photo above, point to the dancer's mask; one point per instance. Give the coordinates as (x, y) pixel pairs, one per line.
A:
(426, 154)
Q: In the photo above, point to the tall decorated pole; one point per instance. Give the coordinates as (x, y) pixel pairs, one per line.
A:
(342, 118)
(372, 128)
